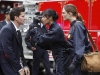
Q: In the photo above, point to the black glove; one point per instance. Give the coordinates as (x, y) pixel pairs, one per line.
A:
(71, 68)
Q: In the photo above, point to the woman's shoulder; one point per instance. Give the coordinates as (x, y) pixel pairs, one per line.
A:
(79, 24)
(57, 27)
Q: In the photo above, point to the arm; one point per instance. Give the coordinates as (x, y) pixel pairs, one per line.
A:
(79, 43)
(1, 25)
(48, 38)
(23, 58)
(25, 67)
(28, 38)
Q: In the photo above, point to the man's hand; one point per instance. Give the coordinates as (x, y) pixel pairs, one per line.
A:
(21, 72)
(71, 68)
(48, 51)
(35, 27)
(26, 70)
(33, 48)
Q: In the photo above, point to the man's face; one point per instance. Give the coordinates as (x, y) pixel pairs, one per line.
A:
(20, 20)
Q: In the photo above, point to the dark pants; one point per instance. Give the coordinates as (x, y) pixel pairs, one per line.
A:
(59, 62)
(77, 70)
(1, 72)
(38, 55)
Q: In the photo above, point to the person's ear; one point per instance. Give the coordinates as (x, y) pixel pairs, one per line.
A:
(16, 18)
(70, 13)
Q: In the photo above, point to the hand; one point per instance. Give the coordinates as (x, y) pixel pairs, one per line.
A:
(26, 70)
(71, 68)
(48, 51)
(35, 27)
(33, 48)
(21, 72)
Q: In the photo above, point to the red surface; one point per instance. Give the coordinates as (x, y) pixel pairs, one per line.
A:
(1, 17)
(95, 15)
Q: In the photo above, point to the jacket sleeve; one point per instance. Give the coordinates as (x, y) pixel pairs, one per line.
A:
(7, 45)
(48, 38)
(23, 59)
(1, 25)
(28, 38)
(78, 43)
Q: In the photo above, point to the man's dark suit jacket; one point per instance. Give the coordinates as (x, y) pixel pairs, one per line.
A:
(10, 50)
(2, 23)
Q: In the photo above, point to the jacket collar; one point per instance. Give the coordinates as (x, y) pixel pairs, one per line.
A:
(54, 23)
(73, 23)
(14, 31)
(4, 22)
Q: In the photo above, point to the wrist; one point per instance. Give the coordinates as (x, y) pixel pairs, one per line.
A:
(25, 67)
(20, 69)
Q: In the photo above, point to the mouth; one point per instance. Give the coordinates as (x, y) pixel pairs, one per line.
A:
(63, 17)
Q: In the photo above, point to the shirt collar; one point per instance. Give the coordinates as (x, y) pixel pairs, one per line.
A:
(52, 24)
(15, 26)
(6, 21)
(40, 24)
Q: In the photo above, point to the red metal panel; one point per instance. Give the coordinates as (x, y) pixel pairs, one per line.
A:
(95, 15)
(94, 36)
(1, 17)
(83, 9)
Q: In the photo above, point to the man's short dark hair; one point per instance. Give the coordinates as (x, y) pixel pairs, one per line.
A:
(16, 12)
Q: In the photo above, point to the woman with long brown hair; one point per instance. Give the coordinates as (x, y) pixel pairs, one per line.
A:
(77, 42)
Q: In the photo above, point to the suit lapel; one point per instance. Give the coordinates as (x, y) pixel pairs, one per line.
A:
(15, 32)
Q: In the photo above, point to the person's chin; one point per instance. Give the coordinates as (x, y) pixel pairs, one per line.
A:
(64, 19)
(44, 23)
(22, 24)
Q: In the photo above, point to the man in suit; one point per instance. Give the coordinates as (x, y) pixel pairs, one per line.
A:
(39, 52)
(6, 20)
(11, 50)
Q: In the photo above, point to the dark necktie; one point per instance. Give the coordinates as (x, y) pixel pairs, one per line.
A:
(20, 40)
(19, 36)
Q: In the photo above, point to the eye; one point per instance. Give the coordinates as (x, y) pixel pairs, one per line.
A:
(43, 16)
(63, 13)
